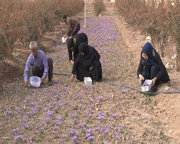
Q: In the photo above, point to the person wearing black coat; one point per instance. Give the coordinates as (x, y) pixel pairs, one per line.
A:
(87, 64)
(73, 44)
(151, 67)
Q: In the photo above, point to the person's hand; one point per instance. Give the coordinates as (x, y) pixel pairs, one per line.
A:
(42, 79)
(141, 77)
(26, 84)
(72, 61)
(65, 36)
(154, 80)
(90, 68)
(72, 77)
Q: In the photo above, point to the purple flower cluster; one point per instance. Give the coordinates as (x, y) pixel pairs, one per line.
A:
(101, 116)
(18, 137)
(114, 115)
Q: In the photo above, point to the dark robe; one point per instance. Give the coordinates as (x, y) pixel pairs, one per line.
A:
(154, 62)
(74, 42)
(83, 63)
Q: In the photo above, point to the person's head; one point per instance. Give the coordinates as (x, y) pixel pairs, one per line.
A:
(70, 44)
(65, 18)
(34, 47)
(147, 51)
(83, 48)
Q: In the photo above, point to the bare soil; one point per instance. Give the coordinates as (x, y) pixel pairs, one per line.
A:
(70, 112)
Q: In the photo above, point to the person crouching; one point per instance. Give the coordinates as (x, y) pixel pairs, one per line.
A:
(41, 66)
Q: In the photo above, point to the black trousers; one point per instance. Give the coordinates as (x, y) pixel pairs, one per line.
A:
(36, 71)
(95, 74)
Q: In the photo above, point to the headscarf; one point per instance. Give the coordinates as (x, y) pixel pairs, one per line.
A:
(89, 54)
(83, 47)
(148, 49)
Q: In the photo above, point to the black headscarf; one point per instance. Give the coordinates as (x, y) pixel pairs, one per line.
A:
(90, 54)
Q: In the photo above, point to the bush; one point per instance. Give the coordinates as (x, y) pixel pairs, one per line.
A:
(27, 20)
(98, 6)
(160, 21)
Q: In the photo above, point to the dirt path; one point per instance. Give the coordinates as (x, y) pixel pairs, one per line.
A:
(69, 112)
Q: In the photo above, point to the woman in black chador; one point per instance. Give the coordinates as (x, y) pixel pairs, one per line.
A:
(151, 67)
(73, 45)
(87, 64)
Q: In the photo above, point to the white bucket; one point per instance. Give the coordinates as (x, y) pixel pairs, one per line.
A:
(146, 86)
(35, 81)
(87, 81)
(64, 39)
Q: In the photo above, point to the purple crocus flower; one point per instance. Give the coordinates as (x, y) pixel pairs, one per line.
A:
(104, 130)
(79, 124)
(123, 91)
(88, 134)
(60, 118)
(101, 116)
(90, 115)
(71, 131)
(74, 138)
(57, 123)
(18, 137)
(97, 128)
(60, 140)
(25, 125)
(117, 137)
(100, 97)
(45, 109)
(122, 125)
(89, 109)
(46, 119)
(114, 115)
(116, 128)
(90, 138)
(88, 130)
(91, 99)
(49, 113)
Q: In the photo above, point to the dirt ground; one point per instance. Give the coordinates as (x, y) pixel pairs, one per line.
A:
(70, 112)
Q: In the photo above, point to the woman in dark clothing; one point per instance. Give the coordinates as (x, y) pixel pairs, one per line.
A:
(151, 67)
(87, 64)
(73, 44)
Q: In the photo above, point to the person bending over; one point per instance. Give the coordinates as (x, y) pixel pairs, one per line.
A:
(73, 45)
(73, 26)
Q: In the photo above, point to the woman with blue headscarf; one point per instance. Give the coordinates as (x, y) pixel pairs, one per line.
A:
(151, 67)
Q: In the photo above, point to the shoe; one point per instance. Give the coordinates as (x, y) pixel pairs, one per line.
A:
(50, 82)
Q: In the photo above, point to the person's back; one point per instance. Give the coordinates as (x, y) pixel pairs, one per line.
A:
(72, 21)
(73, 44)
(73, 25)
